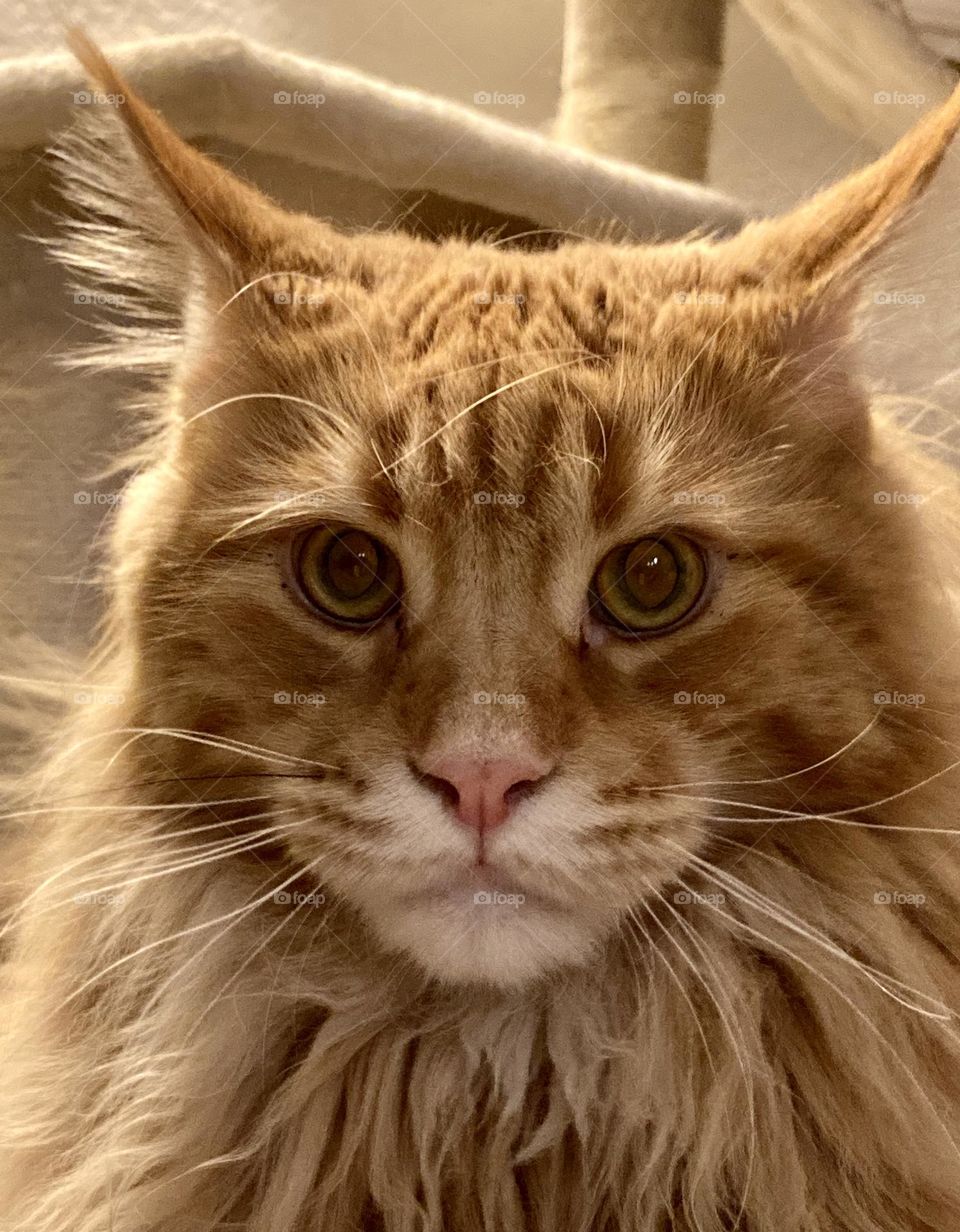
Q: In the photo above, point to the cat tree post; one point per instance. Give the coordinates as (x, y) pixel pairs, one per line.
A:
(640, 80)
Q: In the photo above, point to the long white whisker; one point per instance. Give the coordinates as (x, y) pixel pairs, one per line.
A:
(780, 778)
(773, 813)
(871, 1027)
(115, 848)
(520, 380)
(333, 295)
(225, 743)
(126, 808)
(184, 932)
(737, 1039)
(238, 846)
(781, 915)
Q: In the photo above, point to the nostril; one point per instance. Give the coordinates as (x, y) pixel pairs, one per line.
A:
(522, 790)
(442, 787)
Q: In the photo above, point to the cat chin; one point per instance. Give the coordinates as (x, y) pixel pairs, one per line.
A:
(490, 940)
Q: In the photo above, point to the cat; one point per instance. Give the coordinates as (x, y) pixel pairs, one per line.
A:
(518, 784)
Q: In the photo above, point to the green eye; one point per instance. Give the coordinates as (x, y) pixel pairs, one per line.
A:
(650, 585)
(349, 576)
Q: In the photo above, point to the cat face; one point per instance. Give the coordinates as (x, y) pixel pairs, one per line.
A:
(503, 637)
(516, 560)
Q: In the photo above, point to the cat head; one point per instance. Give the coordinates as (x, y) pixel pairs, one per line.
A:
(506, 555)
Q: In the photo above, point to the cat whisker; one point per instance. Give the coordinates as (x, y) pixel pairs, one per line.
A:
(247, 286)
(727, 1017)
(771, 821)
(242, 914)
(773, 813)
(780, 778)
(492, 363)
(226, 743)
(105, 852)
(235, 975)
(45, 810)
(522, 235)
(753, 850)
(648, 939)
(576, 457)
(57, 805)
(884, 1043)
(887, 984)
(432, 436)
(272, 992)
(236, 847)
(388, 389)
(235, 915)
(293, 502)
(258, 397)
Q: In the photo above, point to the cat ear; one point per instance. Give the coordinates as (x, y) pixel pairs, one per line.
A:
(833, 236)
(179, 256)
(235, 229)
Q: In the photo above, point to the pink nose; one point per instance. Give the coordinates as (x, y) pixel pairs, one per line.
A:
(484, 792)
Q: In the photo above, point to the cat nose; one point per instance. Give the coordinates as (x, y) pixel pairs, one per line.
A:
(484, 792)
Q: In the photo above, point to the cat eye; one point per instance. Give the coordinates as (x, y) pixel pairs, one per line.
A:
(347, 575)
(650, 585)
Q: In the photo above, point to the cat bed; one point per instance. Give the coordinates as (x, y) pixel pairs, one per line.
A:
(329, 117)
(318, 138)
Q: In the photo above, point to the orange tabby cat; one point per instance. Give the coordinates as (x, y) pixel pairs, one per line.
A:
(530, 801)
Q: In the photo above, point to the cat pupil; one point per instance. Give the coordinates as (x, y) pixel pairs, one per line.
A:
(352, 565)
(651, 575)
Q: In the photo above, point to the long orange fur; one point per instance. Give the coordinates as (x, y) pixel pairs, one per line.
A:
(730, 998)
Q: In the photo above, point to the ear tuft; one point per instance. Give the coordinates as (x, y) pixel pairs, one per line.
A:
(227, 216)
(162, 236)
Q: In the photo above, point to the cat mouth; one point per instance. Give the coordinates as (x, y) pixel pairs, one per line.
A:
(477, 885)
